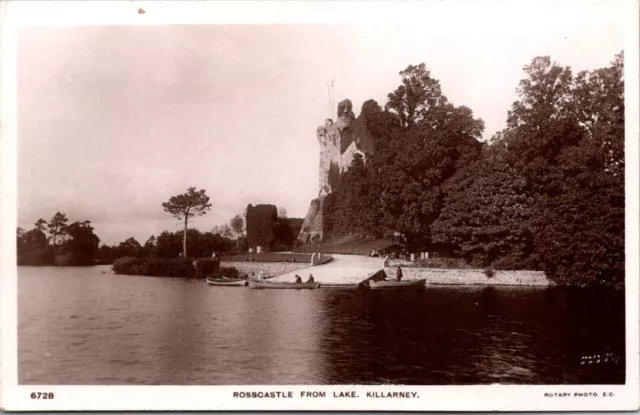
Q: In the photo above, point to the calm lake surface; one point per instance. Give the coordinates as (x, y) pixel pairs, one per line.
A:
(88, 326)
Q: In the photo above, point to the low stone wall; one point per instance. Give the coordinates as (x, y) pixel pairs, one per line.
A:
(269, 268)
(318, 258)
(439, 276)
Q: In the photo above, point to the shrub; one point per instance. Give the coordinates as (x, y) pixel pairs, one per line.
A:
(176, 267)
(125, 265)
(207, 266)
(180, 268)
(153, 267)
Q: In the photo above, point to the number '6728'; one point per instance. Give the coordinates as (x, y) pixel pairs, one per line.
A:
(42, 395)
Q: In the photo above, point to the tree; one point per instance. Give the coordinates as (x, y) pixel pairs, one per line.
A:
(599, 107)
(485, 213)
(544, 94)
(260, 222)
(565, 137)
(223, 230)
(418, 93)
(411, 163)
(130, 247)
(33, 248)
(168, 245)
(56, 226)
(150, 247)
(185, 206)
(199, 244)
(237, 225)
(107, 254)
(41, 225)
(82, 246)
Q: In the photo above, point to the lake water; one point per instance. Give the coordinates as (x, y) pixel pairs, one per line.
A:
(88, 326)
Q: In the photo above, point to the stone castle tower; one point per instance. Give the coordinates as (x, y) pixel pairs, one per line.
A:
(339, 143)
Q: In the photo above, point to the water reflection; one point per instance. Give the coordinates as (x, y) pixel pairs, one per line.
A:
(465, 335)
(79, 326)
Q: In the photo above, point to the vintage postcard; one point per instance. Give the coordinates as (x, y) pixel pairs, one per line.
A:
(299, 205)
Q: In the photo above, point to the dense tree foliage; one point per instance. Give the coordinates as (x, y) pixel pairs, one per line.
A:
(33, 248)
(169, 245)
(260, 222)
(565, 135)
(82, 244)
(419, 140)
(285, 232)
(353, 207)
(269, 228)
(546, 192)
(65, 244)
(485, 213)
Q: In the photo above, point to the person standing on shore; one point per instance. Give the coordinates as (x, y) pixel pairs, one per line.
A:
(399, 273)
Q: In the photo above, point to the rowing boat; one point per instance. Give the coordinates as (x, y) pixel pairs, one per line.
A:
(229, 282)
(341, 286)
(391, 284)
(283, 285)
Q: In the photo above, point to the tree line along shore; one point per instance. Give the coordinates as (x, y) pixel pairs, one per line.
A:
(546, 192)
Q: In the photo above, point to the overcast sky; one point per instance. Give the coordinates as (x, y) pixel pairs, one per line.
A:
(112, 121)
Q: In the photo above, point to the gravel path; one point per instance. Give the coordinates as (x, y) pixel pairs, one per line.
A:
(343, 269)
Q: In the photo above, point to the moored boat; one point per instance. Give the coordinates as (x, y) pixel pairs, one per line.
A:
(391, 284)
(229, 282)
(341, 286)
(283, 285)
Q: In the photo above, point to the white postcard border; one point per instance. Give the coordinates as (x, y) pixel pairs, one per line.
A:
(462, 398)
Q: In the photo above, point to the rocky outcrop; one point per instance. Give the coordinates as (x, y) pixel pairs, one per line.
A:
(338, 145)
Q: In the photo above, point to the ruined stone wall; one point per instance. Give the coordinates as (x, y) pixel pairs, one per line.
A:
(329, 140)
(338, 144)
(347, 157)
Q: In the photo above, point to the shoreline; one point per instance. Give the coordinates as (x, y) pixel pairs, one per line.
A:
(434, 276)
(462, 276)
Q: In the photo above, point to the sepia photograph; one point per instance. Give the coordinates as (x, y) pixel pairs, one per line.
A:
(302, 207)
